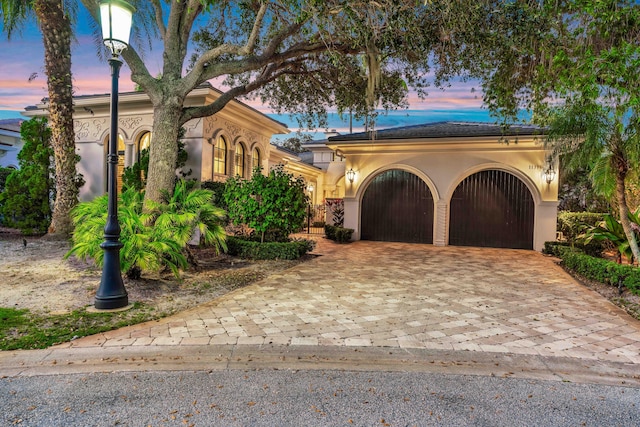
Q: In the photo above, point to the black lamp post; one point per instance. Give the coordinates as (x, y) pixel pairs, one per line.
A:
(116, 25)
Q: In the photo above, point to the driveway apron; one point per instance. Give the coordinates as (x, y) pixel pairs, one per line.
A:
(407, 296)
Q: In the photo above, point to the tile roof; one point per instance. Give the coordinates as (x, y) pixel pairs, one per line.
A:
(12, 125)
(440, 130)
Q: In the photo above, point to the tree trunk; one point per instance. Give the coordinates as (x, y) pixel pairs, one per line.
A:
(624, 213)
(56, 34)
(163, 150)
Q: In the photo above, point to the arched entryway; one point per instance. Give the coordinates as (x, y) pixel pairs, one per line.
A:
(492, 208)
(397, 206)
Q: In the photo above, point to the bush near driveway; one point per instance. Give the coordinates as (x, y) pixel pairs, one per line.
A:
(338, 234)
(249, 249)
(593, 268)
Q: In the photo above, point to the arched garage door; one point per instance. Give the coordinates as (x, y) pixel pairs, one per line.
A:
(397, 206)
(492, 208)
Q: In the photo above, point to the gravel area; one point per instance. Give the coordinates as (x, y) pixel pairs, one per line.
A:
(34, 275)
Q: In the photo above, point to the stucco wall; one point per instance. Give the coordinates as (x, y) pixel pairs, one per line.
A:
(444, 168)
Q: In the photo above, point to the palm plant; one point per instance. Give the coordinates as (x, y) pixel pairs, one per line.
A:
(54, 19)
(154, 239)
(186, 210)
(597, 134)
(610, 230)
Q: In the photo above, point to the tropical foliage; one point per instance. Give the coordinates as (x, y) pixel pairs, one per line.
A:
(573, 64)
(155, 239)
(26, 199)
(272, 205)
(54, 21)
(610, 231)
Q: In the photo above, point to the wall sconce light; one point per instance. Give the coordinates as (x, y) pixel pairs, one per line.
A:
(310, 188)
(549, 173)
(351, 175)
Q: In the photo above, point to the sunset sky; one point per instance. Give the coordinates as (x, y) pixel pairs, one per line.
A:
(22, 56)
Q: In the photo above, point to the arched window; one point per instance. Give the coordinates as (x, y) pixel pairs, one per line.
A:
(256, 158)
(220, 157)
(239, 160)
(144, 143)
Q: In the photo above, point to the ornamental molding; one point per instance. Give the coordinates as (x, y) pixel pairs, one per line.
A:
(81, 129)
(130, 122)
(234, 130)
(210, 126)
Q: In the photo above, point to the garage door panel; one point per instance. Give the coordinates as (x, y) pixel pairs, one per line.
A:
(397, 206)
(492, 209)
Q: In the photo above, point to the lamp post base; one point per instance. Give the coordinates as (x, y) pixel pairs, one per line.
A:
(111, 293)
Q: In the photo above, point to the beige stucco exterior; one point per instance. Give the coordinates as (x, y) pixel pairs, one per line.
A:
(237, 123)
(442, 163)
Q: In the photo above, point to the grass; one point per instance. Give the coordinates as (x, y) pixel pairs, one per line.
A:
(21, 329)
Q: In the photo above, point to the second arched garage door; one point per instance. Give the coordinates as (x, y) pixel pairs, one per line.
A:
(492, 208)
(397, 206)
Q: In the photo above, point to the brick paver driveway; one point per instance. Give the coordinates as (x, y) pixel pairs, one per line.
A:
(409, 296)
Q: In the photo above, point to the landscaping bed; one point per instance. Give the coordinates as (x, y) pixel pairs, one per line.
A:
(616, 282)
(56, 292)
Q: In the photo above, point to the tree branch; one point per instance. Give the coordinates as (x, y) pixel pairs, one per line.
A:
(157, 6)
(253, 37)
(217, 105)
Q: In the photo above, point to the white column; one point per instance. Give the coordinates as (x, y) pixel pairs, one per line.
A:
(440, 223)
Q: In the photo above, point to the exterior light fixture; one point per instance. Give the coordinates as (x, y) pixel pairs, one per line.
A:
(351, 175)
(115, 16)
(310, 188)
(549, 174)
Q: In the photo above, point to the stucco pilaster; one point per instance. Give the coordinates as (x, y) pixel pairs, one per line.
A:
(544, 228)
(440, 220)
(352, 216)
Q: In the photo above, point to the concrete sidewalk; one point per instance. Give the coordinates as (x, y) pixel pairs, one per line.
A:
(391, 301)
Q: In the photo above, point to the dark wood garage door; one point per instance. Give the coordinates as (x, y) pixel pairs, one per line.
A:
(397, 206)
(494, 209)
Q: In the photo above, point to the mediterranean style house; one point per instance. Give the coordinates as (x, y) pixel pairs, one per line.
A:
(447, 183)
(232, 142)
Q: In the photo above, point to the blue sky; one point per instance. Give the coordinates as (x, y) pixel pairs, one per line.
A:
(23, 55)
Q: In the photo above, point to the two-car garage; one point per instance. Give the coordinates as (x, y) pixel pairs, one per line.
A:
(490, 208)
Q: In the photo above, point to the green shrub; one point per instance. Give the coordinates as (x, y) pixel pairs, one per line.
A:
(153, 240)
(267, 203)
(338, 234)
(573, 224)
(250, 249)
(26, 197)
(593, 268)
(218, 192)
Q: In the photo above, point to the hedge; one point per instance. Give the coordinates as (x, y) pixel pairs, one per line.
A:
(572, 224)
(338, 234)
(247, 249)
(593, 268)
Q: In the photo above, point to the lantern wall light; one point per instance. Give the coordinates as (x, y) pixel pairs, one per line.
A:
(351, 175)
(549, 173)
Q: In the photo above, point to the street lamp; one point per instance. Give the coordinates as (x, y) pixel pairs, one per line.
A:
(115, 16)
